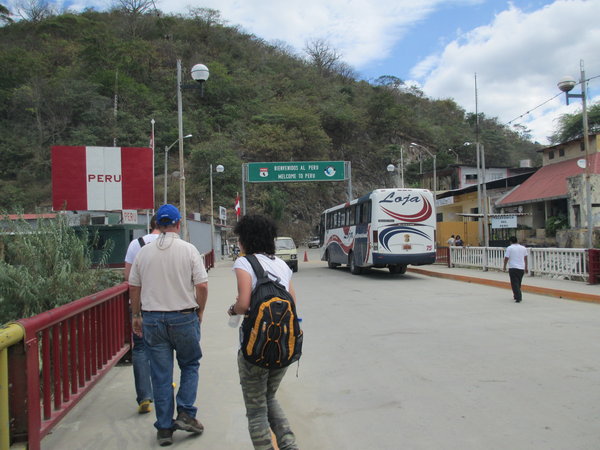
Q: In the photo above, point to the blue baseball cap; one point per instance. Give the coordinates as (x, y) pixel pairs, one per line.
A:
(167, 215)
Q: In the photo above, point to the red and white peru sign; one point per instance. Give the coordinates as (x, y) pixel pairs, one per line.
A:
(102, 178)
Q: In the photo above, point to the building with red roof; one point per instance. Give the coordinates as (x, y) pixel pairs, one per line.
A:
(557, 187)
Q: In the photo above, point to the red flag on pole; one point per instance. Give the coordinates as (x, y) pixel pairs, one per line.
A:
(238, 210)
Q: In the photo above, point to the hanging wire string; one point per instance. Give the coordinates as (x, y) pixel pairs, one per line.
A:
(549, 100)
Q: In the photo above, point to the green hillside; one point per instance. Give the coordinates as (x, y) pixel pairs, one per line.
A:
(261, 103)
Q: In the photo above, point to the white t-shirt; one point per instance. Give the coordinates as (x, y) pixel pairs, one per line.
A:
(134, 247)
(516, 254)
(275, 266)
(168, 269)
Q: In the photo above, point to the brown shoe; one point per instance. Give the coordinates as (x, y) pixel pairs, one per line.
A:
(164, 436)
(188, 423)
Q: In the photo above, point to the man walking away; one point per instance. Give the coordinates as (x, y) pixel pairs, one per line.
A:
(516, 257)
(168, 286)
(139, 357)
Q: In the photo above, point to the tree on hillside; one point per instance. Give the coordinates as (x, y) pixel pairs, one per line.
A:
(323, 56)
(5, 14)
(135, 7)
(35, 10)
(134, 10)
(570, 126)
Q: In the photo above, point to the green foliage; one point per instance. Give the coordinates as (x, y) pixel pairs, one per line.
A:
(44, 266)
(570, 126)
(555, 223)
(62, 74)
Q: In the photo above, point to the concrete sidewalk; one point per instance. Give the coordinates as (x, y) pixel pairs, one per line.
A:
(567, 289)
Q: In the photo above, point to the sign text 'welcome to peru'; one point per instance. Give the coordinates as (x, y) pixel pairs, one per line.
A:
(262, 172)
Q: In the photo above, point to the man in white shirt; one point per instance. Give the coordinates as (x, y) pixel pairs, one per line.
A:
(168, 286)
(516, 257)
(139, 358)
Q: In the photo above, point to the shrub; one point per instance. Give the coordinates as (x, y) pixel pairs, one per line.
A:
(46, 265)
(555, 223)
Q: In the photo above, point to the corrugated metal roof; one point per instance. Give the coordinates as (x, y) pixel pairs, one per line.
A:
(549, 182)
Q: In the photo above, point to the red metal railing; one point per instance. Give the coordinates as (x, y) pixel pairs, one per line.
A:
(442, 255)
(76, 344)
(64, 353)
(209, 259)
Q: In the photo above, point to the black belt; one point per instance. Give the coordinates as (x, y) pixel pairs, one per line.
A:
(188, 310)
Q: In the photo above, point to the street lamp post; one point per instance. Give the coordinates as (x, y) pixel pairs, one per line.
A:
(200, 74)
(219, 169)
(400, 169)
(565, 85)
(415, 145)
(167, 160)
(482, 202)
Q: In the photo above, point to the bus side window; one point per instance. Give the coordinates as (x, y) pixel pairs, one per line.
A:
(352, 215)
(365, 212)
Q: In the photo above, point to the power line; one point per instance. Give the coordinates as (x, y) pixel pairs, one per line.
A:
(549, 100)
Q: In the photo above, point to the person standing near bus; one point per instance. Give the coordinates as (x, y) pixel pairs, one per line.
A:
(516, 257)
(451, 241)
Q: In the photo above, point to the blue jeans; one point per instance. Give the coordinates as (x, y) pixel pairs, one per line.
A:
(165, 332)
(141, 370)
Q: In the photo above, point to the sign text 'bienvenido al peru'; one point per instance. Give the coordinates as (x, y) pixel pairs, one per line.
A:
(262, 172)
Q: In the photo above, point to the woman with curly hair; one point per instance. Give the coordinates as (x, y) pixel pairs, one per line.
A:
(259, 385)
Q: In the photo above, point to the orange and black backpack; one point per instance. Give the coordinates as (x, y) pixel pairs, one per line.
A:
(270, 333)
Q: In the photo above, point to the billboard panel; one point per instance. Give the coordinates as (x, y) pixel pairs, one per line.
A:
(102, 178)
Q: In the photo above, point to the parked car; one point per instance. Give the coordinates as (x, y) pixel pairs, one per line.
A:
(285, 248)
(313, 242)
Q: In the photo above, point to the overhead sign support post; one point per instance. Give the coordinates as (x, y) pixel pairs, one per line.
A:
(295, 171)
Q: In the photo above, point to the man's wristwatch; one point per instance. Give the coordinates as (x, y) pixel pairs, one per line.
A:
(137, 315)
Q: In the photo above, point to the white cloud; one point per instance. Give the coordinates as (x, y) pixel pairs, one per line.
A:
(363, 31)
(518, 59)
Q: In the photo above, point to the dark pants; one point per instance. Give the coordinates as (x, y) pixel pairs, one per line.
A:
(516, 276)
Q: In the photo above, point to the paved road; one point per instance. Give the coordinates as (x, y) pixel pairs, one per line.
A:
(390, 362)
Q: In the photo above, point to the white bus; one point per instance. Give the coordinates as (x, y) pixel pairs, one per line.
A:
(385, 228)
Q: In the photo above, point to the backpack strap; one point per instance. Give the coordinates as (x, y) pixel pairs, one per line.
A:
(256, 266)
(141, 241)
(263, 276)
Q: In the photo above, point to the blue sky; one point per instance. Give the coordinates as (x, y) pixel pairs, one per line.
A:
(518, 49)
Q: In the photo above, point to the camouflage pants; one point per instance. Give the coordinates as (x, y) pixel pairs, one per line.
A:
(262, 409)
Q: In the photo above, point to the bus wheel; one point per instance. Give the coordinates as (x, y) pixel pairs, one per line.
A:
(398, 268)
(330, 264)
(354, 269)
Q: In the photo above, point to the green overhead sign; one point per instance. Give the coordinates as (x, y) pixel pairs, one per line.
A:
(271, 172)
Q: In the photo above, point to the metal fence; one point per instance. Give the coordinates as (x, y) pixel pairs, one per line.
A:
(65, 352)
(564, 263)
(51, 360)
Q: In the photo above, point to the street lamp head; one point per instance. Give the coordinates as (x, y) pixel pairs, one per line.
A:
(200, 73)
(220, 168)
(566, 83)
(390, 167)
(187, 136)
